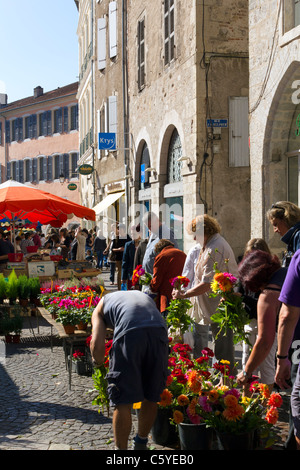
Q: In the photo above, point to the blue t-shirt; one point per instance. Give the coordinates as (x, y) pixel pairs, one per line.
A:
(130, 310)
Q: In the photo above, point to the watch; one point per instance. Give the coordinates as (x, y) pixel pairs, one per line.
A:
(245, 374)
(280, 357)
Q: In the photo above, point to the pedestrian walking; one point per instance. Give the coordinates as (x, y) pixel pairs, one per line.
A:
(128, 256)
(99, 248)
(138, 362)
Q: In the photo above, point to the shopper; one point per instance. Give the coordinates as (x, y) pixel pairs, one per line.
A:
(138, 361)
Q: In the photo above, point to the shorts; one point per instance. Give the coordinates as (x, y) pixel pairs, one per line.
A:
(295, 404)
(138, 366)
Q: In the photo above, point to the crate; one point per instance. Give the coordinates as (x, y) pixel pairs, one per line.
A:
(65, 273)
(41, 268)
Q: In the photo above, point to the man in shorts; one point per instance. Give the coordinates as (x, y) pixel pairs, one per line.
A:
(288, 336)
(138, 360)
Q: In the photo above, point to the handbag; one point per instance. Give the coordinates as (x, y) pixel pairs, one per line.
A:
(111, 258)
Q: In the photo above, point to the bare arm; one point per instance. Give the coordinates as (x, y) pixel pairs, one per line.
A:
(97, 344)
(199, 289)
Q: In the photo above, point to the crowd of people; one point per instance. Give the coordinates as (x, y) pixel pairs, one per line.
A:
(271, 295)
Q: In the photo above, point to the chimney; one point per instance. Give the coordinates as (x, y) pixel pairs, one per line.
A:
(38, 91)
(3, 100)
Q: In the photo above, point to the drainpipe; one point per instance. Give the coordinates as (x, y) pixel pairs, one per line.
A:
(5, 146)
(125, 101)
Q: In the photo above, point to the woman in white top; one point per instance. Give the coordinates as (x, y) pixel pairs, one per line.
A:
(214, 249)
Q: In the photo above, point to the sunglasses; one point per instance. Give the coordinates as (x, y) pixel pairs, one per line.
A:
(274, 206)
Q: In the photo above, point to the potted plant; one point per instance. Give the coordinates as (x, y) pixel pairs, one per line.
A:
(35, 290)
(7, 327)
(12, 287)
(17, 325)
(68, 318)
(79, 363)
(23, 290)
(3, 288)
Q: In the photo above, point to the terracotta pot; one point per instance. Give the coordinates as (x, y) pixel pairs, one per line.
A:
(16, 339)
(23, 302)
(69, 329)
(81, 326)
(8, 338)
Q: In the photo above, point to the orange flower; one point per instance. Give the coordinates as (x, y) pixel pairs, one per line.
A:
(183, 400)
(264, 390)
(166, 398)
(213, 395)
(192, 407)
(194, 381)
(224, 283)
(177, 417)
(233, 413)
(272, 415)
(275, 400)
(230, 401)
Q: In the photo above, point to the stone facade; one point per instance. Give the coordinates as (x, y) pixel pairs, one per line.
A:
(274, 108)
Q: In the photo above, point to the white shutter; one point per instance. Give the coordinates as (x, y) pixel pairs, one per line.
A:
(112, 29)
(101, 43)
(112, 114)
(238, 132)
(99, 130)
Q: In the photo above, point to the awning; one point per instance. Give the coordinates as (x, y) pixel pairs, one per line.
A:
(108, 201)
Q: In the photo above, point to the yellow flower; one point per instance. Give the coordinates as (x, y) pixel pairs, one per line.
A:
(224, 361)
(233, 413)
(214, 286)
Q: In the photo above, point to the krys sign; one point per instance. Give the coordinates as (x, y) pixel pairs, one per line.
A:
(107, 141)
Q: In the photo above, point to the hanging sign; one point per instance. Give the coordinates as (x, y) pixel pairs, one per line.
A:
(107, 141)
(217, 123)
(72, 186)
(85, 169)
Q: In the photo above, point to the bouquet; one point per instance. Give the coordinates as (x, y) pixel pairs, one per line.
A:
(177, 317)
(100, 381)
(141, 277)
(231, 313)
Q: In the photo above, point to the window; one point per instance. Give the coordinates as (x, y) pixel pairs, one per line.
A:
(141, 54)
(145, 163)
(291, 14)
(17, 129)
(74, 118)
(58, 121)
(57, 171)
(31, 127)
(28, 169)
(74, 163)
(45, 123)
(42, 168)
(101, 43)
(112, 29)
(7, 132)
(174, 153)
(169, 31)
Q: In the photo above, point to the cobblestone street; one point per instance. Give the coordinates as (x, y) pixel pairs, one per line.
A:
(38, 411)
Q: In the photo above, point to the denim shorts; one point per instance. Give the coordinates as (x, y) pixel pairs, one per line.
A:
(138, 366)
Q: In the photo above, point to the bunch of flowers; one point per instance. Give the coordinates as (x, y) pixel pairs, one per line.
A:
(141, 277)
(100, 381)
(230, 313)
(178, 319)
(198, 391)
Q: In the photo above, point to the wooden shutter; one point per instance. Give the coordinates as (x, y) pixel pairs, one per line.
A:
(50, 168)
(8, 165)
(66, 119)
(112, 29)
(238, 132)
(34, 170)
(112, 114)
(101, 43)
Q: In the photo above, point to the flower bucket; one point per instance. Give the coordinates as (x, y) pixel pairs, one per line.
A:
(195, 436)
(228, 441)
(163, 432)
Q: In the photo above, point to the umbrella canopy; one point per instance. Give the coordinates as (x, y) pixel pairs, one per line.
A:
(18, 201)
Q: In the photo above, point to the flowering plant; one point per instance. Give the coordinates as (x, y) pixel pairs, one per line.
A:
(100, 381)
(78, 356)
(140, 276)
(230, 313)
(177, 317)
(199, 392)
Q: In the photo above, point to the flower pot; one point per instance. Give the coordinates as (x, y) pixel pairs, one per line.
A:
(69, 329)
(81, 326)
(163, 432)
(227, 441)
(195, 436)
(23, 302)
(16, 339)
(8, 338)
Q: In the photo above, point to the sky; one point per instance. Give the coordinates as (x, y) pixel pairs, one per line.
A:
(38, 46)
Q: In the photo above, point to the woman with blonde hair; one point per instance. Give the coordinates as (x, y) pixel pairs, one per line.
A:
(214, 249)
(285, 218)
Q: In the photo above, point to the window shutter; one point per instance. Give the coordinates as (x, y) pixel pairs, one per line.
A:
(112, 114)
(112, 29)
(34, 170)
(65, 119)
(49, 123)
(0, 133)
(66, 165)
(34, 126)
(101, 43)
(61, 165)
(238, 132)
(7, 132)
(8, 170)
(21, 171)
(49, 170)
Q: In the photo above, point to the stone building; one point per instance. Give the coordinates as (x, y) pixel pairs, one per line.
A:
(170, 82)
(39, 140)
(274, 31)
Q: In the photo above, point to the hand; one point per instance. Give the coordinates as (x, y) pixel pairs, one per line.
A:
(176, 294)
(241, 379)
(283, 373)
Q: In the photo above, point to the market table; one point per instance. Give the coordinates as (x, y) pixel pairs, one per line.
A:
(77, 336)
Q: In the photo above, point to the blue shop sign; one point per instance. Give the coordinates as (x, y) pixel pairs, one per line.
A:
(107, 141)
(216, 122)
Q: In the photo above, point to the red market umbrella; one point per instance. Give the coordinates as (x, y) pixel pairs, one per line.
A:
(18, 201)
